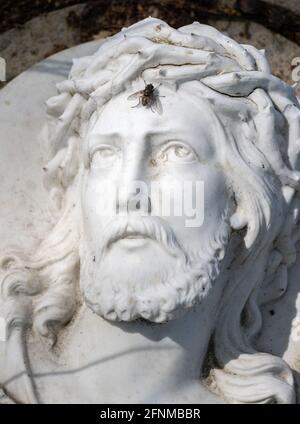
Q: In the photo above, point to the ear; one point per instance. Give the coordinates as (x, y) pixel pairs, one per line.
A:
(238, 220)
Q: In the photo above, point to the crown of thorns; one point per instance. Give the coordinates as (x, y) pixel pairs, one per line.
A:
(166, 55)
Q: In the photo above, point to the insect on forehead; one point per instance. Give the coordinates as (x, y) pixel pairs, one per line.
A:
(149, 88)
(148, 97)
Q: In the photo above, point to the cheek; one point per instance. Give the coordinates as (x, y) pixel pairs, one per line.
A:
(216, 200)
(97, 203)
(204, 200)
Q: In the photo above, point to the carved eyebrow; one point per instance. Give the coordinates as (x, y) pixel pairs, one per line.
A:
(152, 137)
(95, 138)
(98, 139)
(158, 138)
(162, 134)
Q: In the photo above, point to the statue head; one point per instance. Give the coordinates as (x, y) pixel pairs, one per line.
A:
(159, 204)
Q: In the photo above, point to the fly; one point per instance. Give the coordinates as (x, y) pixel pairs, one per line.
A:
(148, 97)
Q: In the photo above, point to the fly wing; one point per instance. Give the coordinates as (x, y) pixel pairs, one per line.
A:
(157, 106)
(135, 95)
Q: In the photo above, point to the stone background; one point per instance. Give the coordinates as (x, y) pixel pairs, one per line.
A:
(31, 30)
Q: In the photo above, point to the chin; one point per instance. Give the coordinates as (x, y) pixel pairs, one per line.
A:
(153, 288)
(138, 259)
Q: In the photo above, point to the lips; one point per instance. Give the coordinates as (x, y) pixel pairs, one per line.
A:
(131, 233)
(135, 232)
(132, 239)
(133, 236)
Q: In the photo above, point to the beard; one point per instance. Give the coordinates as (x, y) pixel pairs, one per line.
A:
(159, 283)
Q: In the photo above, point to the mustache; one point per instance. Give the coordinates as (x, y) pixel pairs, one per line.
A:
(153, 228)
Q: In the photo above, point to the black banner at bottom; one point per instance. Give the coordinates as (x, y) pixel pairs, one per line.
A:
(127, 413)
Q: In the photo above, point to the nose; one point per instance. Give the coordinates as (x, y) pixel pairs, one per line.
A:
(133, 193)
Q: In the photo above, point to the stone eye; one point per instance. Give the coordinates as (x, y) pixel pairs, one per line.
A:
(103, 157)
(178, 152)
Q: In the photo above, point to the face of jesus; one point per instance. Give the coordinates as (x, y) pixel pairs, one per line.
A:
(153, 258)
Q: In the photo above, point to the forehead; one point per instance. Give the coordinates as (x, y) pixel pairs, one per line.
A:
(181, 114)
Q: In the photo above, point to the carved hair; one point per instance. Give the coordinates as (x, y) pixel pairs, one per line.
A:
(257, 116)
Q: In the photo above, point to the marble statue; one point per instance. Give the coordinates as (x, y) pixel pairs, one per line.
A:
(136, 306)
